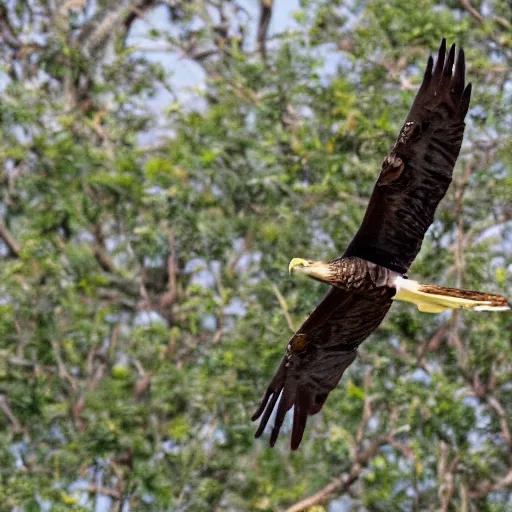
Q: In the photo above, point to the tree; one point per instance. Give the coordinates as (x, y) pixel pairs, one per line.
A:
(144, 294)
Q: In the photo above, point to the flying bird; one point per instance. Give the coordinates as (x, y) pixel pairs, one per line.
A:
(372, 272)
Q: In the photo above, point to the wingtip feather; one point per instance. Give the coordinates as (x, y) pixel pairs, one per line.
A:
(465, 100)
(443, 85)
(440, 59)
(427, 76)
(261, 406)
(266, 415)
(448, 65)
(284, 406)
(459, 75)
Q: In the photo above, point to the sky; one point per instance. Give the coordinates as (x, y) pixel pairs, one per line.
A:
(186, 75)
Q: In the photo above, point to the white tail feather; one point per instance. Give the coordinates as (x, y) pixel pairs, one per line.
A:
(436, 299)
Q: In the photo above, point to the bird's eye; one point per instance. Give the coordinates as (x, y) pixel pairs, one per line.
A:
(425, 125)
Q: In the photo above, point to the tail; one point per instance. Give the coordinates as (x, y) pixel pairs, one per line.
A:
(436, 299)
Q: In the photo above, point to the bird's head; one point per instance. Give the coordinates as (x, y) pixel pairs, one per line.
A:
(319, 270)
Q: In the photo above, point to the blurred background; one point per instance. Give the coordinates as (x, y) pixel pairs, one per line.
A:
(161, 163)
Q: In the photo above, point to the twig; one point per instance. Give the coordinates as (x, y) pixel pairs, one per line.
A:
(5, 408)
(264, 23)
(19, 361)
(367, 410)
(481, 20)
(342, 484)
(361, 201)
(503, 483)
(136, 12)
(98, 375)
(63, 373)
(446, 480)
(459, 263)
(100, 252)
(459, 245)
(498, 408)
(478, 17)
(114, 336)
(76, 411)
(140, 369)
(72, 4)
(172, 263)
(6, 236)
(361, 456)
(147, 302)
(338, 486)
(284, 307)
(112, 493)
(433, 343)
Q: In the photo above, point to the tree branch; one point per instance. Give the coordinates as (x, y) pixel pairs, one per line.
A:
(8, 32)
(100, 252)
(63, 372)
(503, 483)
(342, 484)
(104, 491)
(478, 17)
(6, 409)
(264, 23)
(284, 307)
(9, 240)
(500, 411)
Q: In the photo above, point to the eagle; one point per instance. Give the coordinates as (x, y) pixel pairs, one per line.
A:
(372, 272)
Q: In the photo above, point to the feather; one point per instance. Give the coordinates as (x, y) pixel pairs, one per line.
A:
(435, 299)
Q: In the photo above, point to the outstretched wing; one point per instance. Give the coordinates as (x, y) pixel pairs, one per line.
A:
(417, 172)
(414, 178)
(317, 356)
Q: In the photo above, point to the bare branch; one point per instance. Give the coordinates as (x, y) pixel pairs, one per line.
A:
(446, 470)
(100, 252)
(98, 375)
(168, 298)
(76, 411)
(503, 483)
(478, 17)
(104, 491)
(6, 409)
(481, 20)
(500, 411)
(284, 307)
(341, 485)
(63, 372)
(367, 410)
(433, 343)
(6, 236)
(264, 23)
(19, 361)
(72, 5)
(138, 11)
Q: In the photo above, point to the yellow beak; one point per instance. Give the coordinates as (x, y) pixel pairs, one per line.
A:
(318, 270)
(297, 262)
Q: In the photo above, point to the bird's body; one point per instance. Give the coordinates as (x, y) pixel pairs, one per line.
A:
(371, 273)
(362, 277)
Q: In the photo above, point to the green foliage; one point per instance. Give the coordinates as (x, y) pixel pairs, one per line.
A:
(144, 294)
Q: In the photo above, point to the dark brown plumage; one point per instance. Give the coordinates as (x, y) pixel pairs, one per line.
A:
(414, 178)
